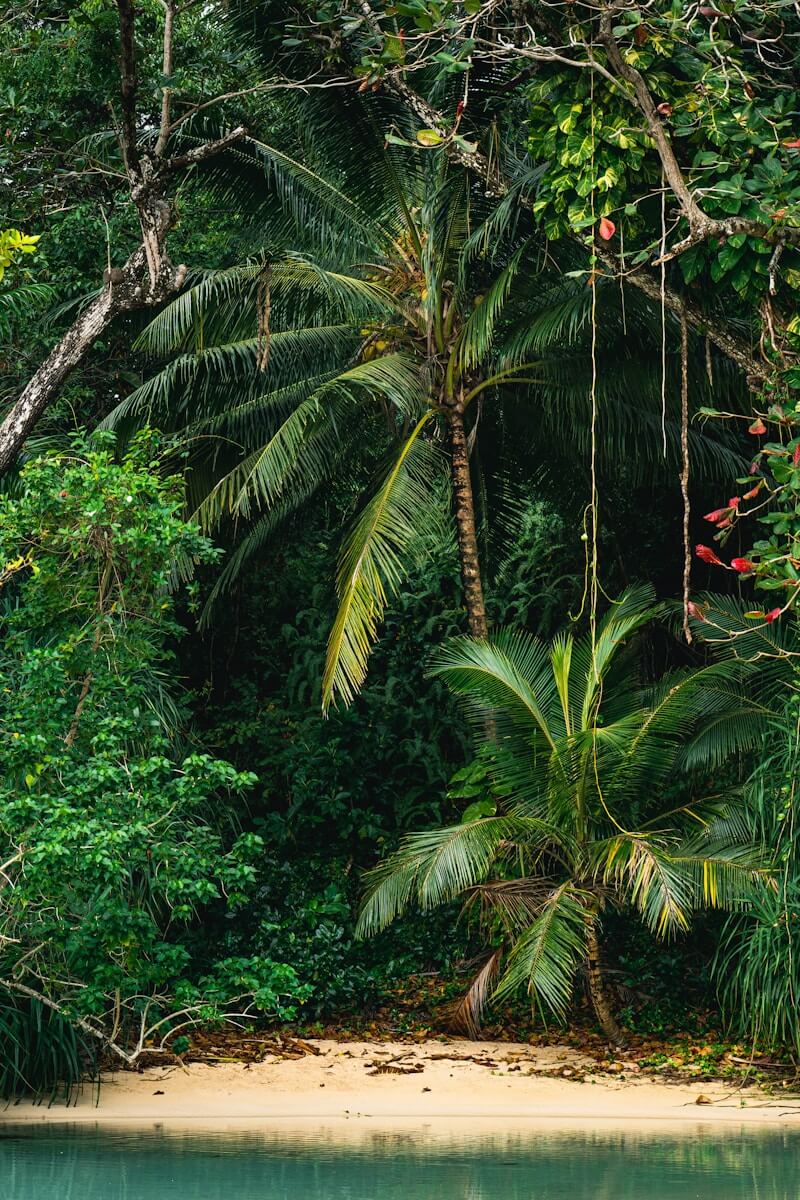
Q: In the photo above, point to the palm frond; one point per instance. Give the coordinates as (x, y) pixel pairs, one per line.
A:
(546, 957)
(373, 561)
(507, 676)
(433, 867)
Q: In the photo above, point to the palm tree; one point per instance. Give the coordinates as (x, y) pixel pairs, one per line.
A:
(582, 759)
(387, 302)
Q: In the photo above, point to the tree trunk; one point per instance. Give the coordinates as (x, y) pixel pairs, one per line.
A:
(126, 289)
(597, 987)
(464, 512)
(47, 379)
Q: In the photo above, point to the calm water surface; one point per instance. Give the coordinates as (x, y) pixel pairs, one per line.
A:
(63, 1163)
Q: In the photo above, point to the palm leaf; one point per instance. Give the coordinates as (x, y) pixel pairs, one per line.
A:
(546, 957)
(373, 561)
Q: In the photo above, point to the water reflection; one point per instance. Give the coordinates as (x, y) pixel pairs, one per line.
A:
(76, 1163)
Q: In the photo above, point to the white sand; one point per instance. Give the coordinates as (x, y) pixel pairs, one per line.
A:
(337, 1086)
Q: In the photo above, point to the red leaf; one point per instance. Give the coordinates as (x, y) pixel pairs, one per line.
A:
(794, 144)
(696, 611)
(734, 501)
(772, 615)
(757, 428)
(707, 555)
(716, 515)
(607, 229)
(743, 565)
(796, 454)
(751, 495)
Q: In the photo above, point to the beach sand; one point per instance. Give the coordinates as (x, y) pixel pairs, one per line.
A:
(405, 1085)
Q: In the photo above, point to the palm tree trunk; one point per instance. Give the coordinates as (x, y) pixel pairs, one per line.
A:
(597, 987)
(464, 512)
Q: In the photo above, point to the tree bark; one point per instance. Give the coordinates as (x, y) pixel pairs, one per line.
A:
(597, 986)
(46, 381)
(125, 290)
(464, 512)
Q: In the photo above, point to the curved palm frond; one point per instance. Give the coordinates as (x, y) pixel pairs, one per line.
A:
(507, 676)
(372, 562)
(545, 959)
(436, 866)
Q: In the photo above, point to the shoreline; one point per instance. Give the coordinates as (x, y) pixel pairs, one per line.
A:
(401, 1086)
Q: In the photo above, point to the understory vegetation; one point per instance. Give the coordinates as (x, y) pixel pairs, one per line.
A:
(399, 519)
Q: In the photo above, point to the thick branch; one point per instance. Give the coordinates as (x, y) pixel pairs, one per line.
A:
(672, 171)
(701, 226)
(125, 291)
(207, 150)
(731, 346)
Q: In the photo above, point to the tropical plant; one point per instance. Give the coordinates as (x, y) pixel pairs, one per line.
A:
(108, 837)
(43, 1054)
(391, 304)
(581, 808)
(757, 965)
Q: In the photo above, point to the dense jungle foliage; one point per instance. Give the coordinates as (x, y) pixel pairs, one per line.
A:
(399, 508)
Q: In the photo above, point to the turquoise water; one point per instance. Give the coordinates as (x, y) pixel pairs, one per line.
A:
(62, 1163)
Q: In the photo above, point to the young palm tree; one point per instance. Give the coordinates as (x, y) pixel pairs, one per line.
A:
(586, 761)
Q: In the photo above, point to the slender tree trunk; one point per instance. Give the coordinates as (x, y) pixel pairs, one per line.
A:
(464, 512)
(597, 987)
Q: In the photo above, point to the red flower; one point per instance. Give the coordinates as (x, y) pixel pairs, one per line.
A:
(796, 454)
(707, 555)
(757, 428)
(716, 515)
(772, 615)
(607, 229)
(664, 110)
(742, 565)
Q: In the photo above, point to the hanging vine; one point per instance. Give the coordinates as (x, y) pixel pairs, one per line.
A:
(687, 511)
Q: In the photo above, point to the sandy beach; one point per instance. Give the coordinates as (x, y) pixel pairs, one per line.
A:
(376, 1082)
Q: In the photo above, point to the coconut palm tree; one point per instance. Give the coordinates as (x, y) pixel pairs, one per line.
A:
(388, 303)
(583, 762)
